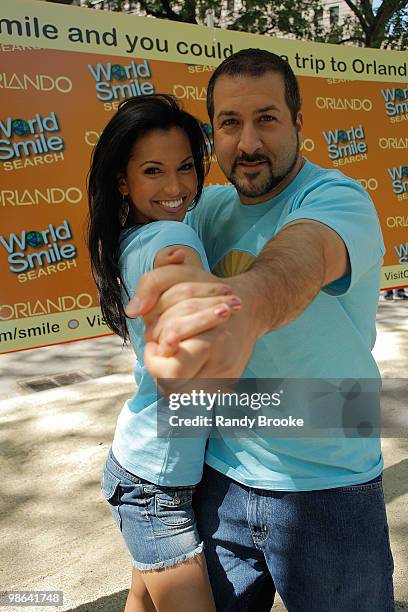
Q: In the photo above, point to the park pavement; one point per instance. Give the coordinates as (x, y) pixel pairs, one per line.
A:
(56, 530)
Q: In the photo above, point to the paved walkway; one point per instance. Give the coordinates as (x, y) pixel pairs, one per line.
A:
(56, 532)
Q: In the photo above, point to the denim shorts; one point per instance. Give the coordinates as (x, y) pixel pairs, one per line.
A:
(157, 523)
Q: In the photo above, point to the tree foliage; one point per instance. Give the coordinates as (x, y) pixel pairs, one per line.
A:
(386, 27)
(294, 17)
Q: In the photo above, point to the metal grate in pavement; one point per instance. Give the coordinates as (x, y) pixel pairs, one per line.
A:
(57, 380)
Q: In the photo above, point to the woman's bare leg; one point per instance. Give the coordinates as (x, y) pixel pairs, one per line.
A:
(138, 599)
(183, 587)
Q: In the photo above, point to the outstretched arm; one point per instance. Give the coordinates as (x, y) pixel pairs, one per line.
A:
(303, 257)
(290, 271)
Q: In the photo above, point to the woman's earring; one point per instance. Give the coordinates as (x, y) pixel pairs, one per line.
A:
(124, 211)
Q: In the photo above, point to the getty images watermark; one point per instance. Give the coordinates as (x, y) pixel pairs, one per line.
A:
(283, 408)
(225, 400)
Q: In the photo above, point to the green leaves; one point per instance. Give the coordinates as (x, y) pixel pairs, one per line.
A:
(299, 19)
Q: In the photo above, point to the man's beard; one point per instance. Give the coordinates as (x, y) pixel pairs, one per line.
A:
(270, 182)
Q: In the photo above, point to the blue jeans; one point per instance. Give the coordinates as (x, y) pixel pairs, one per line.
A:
(323, 551)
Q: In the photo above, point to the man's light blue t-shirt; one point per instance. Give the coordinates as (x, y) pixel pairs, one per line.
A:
(332, 339)
(173, 461)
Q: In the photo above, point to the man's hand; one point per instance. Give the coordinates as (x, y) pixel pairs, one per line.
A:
(168, 256)
(183, 282)
(174, 311)
(186, 319)
(222, 352)
(179, 302)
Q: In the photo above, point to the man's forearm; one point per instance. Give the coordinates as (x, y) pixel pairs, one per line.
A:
(285, 277)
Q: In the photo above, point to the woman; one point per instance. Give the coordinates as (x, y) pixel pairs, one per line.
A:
(147, 170)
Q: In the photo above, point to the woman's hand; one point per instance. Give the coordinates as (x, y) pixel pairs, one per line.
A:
(187, 319)
(175, 302)
(184, 310)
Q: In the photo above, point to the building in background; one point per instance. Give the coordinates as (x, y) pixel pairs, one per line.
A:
(333, 12)
(332, 15)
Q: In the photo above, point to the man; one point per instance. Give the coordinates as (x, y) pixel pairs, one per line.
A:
(303, 247)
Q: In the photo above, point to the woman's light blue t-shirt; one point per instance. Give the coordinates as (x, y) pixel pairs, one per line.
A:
(172, 461)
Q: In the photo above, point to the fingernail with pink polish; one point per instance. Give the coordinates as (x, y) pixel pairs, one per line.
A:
(235, 302)
(221, 311)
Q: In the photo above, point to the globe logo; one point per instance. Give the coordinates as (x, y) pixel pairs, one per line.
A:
(118, 72)
(20, 127)
(34, 239)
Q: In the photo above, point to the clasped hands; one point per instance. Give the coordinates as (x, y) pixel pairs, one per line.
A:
(196, 325)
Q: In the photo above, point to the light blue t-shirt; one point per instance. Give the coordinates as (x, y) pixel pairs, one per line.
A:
(331, 339)
(172, 461)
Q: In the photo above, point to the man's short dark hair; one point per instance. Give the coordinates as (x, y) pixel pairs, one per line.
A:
(256, 63)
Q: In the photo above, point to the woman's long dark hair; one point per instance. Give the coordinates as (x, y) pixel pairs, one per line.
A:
(135, 118)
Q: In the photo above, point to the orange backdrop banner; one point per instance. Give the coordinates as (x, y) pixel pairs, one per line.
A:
(55, 102)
